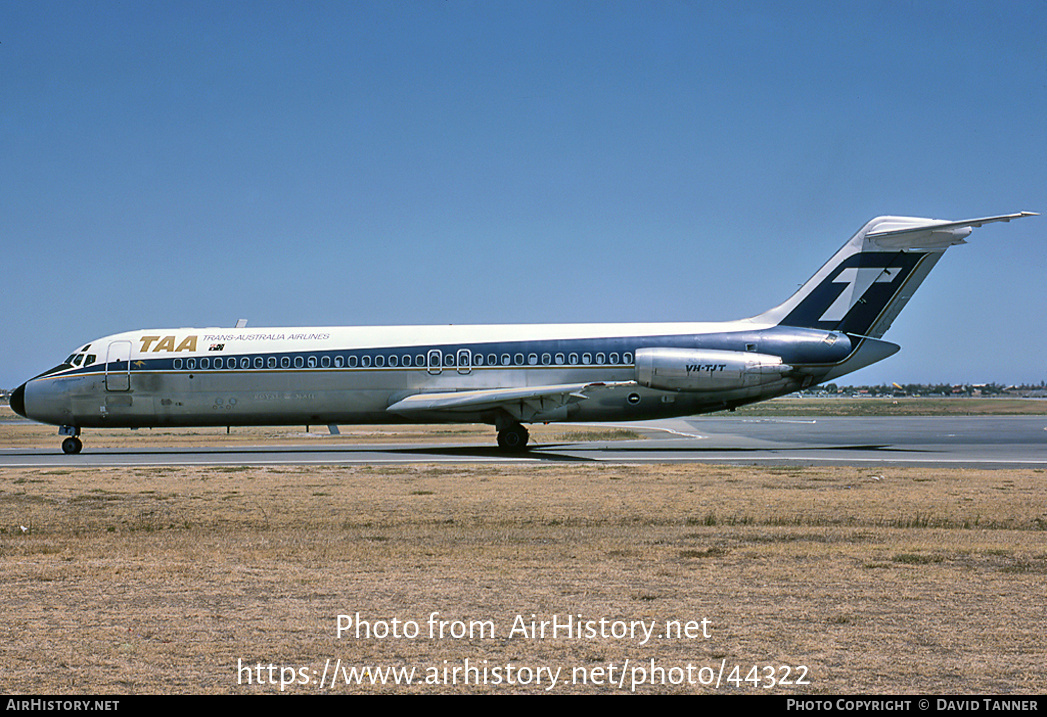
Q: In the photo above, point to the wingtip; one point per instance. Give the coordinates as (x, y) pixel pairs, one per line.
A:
(1001, 218)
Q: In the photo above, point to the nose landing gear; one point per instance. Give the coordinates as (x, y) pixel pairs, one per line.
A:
(72, 444)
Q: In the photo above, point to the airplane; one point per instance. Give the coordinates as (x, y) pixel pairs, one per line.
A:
(504, 375)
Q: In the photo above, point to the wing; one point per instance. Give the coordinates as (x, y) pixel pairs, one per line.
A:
(524, 404)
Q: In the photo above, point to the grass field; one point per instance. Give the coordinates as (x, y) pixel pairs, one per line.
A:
(873, 580)
(861, 581)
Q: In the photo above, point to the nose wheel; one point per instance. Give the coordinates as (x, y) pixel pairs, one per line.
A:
(72, 444)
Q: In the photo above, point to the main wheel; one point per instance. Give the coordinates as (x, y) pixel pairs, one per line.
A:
(72, 445)
(513, 439)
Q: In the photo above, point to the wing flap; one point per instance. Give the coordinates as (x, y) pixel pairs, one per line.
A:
(524, 404)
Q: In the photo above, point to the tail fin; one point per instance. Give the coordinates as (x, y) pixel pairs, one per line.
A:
(867, 283)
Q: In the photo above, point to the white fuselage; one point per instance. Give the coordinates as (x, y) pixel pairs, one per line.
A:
(260, 376)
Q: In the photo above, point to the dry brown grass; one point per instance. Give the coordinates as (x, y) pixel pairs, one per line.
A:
(890, 580)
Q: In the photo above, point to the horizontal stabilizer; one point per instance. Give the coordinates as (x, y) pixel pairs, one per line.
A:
(903, 233)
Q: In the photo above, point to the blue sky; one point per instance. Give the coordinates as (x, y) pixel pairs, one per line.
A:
(189, 164)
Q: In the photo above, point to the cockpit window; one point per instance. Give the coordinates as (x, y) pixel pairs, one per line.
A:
(90, 359)
(70, 359)
(79, 358)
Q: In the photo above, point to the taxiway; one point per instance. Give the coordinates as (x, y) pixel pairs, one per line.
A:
(970, 441)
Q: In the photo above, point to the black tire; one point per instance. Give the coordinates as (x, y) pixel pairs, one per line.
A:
(72, 445)
(513, 439)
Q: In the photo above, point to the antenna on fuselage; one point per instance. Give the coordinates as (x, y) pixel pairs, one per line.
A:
(241, 323)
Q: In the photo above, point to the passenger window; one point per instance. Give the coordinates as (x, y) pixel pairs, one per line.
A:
(505, 359)
(627, 358)
(407, 360)
(365, 361)
(299, 362)
(205, 363)
(272, 362)
(478, 360)
(325, 361)
(394, 360)
(559, 359)
(419, 360)
(339, 362)
(177, 363)
(311, 362)
(353, 361)
(448, 359)
(245, 362)
(518, 359)
(379, 360)
(599, 358)
(587, 359)
(492, 359)
(285, 362)
(572, 359)
(546, 359)
(613, 358)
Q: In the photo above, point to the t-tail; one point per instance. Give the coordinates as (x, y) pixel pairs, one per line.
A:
(867, 283)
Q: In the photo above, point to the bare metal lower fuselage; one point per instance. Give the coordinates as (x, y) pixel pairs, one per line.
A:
(330, 397)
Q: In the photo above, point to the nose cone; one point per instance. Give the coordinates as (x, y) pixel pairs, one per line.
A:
(46, 400)
(18, 401)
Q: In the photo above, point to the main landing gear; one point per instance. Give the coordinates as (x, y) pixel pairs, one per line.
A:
(513, 438)
(72, 444)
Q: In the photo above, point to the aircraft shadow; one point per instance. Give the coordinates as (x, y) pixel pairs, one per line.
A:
(546, 452)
